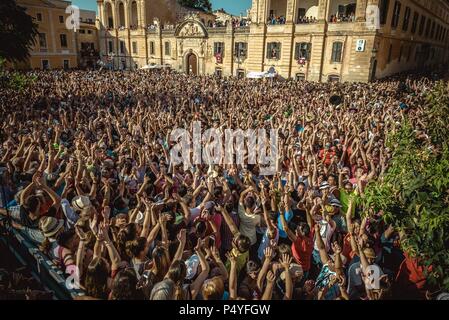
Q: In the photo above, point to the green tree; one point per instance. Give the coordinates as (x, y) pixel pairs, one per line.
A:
(17, 31)
(414, 192)
(203, 5)
(14, 80)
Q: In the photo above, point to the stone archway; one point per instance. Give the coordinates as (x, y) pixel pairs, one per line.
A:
(191, 63)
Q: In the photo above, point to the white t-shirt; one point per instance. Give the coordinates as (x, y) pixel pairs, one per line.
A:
(326, 231)
(248, 224)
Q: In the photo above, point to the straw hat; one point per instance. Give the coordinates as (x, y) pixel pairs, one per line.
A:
(50, 226)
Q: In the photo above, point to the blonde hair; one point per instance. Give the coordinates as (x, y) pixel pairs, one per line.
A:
(213, 289)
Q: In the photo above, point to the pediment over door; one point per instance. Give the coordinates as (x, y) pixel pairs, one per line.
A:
(191, 29)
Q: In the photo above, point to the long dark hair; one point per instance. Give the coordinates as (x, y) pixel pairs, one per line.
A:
(160, 262)
(128, 233)
(135, 247)
(177, 273)
(96, 282)
(124, 286)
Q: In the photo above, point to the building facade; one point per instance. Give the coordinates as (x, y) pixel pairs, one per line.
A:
(55, 46)
(87, 39)
(316, 40)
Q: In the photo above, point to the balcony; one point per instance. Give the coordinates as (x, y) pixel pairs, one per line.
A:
(109, 32)
(122, 32)
(309, 27)
(136, 30)
(276, 28)
(168, 31)
(216, 30)
(241, 30)
(151, 28)
(341, 26)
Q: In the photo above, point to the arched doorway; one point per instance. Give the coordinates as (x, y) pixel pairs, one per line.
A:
(191, 64)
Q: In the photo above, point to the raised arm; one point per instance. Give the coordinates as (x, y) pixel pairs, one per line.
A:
(285, 261)
(232, 276)
(268, 222)
(228, 220)
(112, 251)
(184, 206)
(268, 252)
(292, 236)
(196, 285)
(81, 252)
(182, 242)
(268, 292)
(320, 244)
(219, 263)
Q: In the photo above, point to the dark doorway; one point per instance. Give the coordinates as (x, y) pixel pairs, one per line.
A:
(333, 78)
(373, 72)
(192, 64)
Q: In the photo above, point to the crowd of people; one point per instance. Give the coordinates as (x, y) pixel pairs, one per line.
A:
(342, 18)
(306, 20)
(88, 178)
(273, 19)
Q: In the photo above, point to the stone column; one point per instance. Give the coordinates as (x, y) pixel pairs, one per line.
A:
(360, 12)
(114, 8)
(322, 10)
(290, 15)
(143, 13)
(127, 6)
(101, 13)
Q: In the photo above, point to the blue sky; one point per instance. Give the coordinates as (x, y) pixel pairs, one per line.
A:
(232, 6)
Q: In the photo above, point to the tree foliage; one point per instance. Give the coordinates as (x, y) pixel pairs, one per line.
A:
(14, 80)
(414, 192)
(203, 5)
(17, 31)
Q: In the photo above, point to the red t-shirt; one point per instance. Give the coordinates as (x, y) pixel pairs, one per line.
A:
(347, 249)
(329, 156)
(302, 250)
(411, 273)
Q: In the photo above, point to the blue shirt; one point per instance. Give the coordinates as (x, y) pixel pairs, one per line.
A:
(288, 217)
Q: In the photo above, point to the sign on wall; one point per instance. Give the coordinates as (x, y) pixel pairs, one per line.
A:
(360, 45)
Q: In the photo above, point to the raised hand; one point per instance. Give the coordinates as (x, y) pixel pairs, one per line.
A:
(81, 234)
(336, 248)
(286, 260)
(271, 276)
(106, 213)
(268, 253)
(182, 235)
(231, 257)
(215, 253)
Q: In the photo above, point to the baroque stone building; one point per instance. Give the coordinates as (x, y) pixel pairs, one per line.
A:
(316, 40)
